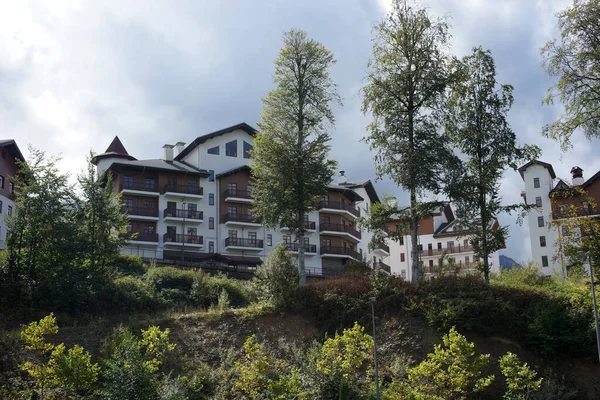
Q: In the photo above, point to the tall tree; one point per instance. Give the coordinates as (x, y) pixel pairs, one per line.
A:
(478, 127)
(289, 163)
(409, 73)
(575, 60)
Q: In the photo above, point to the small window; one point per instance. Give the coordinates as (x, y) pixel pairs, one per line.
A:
(148, 229)
(129, 228)
(287, 239)
(232, 234)
(430, 263)
(149, 183)
(542, 241)
(538, 201)
(544, 261)
(1, 182)
(128, 181)
(450, 244)
(541, 221)
(420, 247)
(401, 241)
(466, 242)
(128, 203)
(214, 150)
(211, 223)
(211, 247)
(536, 182)
(252, 237)
(269, 240)
(439, 245)
(211, 176)
(0, 206)
(211, 199)
(9, 210)
(466, 259)
(231, 149)
(401, 257)
(247, 148)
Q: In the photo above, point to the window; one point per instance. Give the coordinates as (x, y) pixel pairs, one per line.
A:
(232, 189)
(565, 230)
(466, 242)
(326, 243)
(11, 187)
(211, 223)
(466, 259)
(129, 228)
(430, 263)
(231, 149)
(252, 237)
(1, 182)
(544, 261)
(536, 182)
(247, 148)
(542, 241)
(9, 210)
(148, 229)
(192, 233)
(193, 185)
(561, 210)
(420, 247)
(538, 201)
(287, 239)
(128, 203)
(149, 183)
(401, 241)
(429, 246)
(149, 204)
(401, 257)
(214, 150)
(211, 175)
(587, 208)
(232, 234)
(211, 247)
(211, 199)
(306, 242)
(128, 182)
(439, 245)
(269, 240)
(450, 244)
(541, 221)
(172, 182)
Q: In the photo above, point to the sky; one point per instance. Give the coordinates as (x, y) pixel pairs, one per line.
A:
(76, 73)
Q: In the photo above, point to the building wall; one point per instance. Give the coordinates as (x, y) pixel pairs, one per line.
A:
(8, 169)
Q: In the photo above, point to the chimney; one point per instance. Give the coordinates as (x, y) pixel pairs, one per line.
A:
(342, 178)
(391, 201)
(168, 152)
(178, 148)
(577, 175)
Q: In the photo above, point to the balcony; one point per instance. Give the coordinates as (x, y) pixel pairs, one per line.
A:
(240, 219)
(142, 238)
(234, 243)
(335, 229)
(141, 213)
(138, 187)
(448, 250)
(382, 248)
(339, 252)
(308, 225)
(309, 249)
(174, 190)
(191, 216)
(237, 195)
(338, 207)
(184, 240)
(383, 266)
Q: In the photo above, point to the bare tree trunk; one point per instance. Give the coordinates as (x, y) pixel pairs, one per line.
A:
(301, 265)
(414, 238)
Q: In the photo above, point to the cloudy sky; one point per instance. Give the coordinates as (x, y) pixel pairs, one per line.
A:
(75, 73)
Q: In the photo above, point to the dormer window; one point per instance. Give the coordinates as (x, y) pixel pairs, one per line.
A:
(536, 182)
(231, 149)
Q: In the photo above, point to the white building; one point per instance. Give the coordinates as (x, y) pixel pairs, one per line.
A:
(9, 154)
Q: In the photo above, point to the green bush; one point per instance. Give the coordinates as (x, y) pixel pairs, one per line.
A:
(239, 295)
(276, 281)
(159, 278)
(126, 264)
(131, 293)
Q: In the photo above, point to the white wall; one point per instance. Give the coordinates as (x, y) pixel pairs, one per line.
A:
(6, 202)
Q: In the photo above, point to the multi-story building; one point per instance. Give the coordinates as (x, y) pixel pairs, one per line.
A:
(195, 205)
(439, 233)
(541, 187)
(9, 154)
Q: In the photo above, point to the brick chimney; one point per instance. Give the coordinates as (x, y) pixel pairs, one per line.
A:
(577, 176)
(168, 152)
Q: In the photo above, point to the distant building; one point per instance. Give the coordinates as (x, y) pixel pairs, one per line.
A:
(540, 186)
(9, 154)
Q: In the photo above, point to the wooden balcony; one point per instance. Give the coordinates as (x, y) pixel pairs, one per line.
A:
(339, 251)
(293, 247)
(240, 218)
(383, 266)
(141, 211)
(139, 186)
(192, 215)
(192, 190)
(172, 238)
(239, 195)
(448, 250)
(329, 227)
(308, 225)
(244, 242)
(338, 205)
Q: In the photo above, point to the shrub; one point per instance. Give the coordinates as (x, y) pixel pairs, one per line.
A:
(132, 293)
(159, 278)
(520, 379)
(127, 264)
(237, 291)
(276, 281)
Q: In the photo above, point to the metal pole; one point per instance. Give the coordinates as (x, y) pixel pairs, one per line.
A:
(595, 305)
(375, 348)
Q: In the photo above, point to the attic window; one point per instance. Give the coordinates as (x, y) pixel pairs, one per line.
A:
(231, 149)
(214, 150)
(247, 148)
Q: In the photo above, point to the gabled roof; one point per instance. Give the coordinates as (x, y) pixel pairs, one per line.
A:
(560, 185)
(160, 165)
(543, 164)
(367, 184)
(115, 150)
(345, 190)
(201, 139)
(454, 228)
(13, 149)
(591, 180)
(234, 170)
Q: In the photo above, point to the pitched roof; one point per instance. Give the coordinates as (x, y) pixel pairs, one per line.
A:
(234, 170)
(115, 150)
(160, 165)
(345, 190)
(591, 180)
(12, 147)
(368, 185)
(201, 139)
(455, 228)
(543, 164)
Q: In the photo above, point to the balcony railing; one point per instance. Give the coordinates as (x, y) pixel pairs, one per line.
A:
(448, 250)
(383, 266)
(339, 205)
(181, 238)
(243, 242)
(140, 186)
(142, 237)
(231, 217)
(308, 248)
(308, 225)
(382, 246)
(239, 193)
(186, 189)
(142, 211)
(186, 214)
(462, 266)
(339, 228)
(340, 250)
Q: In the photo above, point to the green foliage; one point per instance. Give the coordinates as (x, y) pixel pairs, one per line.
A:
(574, 60)
(520, 379)
(409, 72)
(452, 371)
(276, 280)
(478, 127)
(74, 370)
(289, 162)
(223, 303)
(127, 264)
